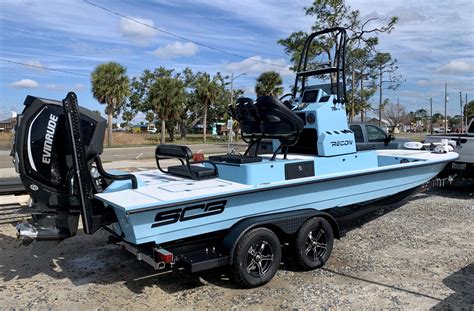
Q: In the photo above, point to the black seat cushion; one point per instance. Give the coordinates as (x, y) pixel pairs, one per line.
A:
(235, 158)
(199, 171)
(277, 120)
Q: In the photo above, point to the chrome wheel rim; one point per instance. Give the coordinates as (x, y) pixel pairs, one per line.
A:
(316, 244)
(259, 259)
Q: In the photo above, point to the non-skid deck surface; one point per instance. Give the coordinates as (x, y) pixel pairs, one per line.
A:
(161, 189)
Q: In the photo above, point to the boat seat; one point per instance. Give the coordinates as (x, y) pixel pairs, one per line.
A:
(246, 113)
(199, 172)
(187, 168)
(279, 122)
(235, 158)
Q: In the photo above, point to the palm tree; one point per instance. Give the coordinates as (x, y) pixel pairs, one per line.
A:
(269, 83)
(127, 117)
(110, 86)
(207, 90)
(167, 96)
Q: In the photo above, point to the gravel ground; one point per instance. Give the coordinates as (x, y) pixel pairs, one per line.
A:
(418, 256)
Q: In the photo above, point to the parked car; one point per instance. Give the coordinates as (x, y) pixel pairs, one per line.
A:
(463, 143)
(370, 136)
(152, 129)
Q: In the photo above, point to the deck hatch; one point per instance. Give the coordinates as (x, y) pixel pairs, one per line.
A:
(299, 170)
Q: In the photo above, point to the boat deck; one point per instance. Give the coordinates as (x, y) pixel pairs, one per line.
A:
(158, 189)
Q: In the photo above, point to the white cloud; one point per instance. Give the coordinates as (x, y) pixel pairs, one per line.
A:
(176, 49)
(455, 67)
(25, 84)
(136, 32)
(258, 64)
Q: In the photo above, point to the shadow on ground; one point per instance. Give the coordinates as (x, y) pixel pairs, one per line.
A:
(461, 189)
(88, 259)
(462, 283)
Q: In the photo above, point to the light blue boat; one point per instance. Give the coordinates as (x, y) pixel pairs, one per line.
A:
(231, 210)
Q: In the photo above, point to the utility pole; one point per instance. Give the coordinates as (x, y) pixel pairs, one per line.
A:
(460, 107)
(445, 108)
(465, 115)
(431, 115)
(231, 102)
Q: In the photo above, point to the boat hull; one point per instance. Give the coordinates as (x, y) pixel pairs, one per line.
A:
(212, 214)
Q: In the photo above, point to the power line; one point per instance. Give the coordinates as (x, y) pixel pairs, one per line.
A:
(181, 37)
(45, 68)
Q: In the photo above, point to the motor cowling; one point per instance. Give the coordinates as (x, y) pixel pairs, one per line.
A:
(43, 155)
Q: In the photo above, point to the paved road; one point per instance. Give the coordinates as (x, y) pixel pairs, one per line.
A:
(133, 153)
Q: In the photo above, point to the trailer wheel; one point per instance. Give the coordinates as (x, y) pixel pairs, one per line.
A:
(314, 243)
(257, 257)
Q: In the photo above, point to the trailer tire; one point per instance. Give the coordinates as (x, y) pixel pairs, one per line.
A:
(257, 257)
(313, 244)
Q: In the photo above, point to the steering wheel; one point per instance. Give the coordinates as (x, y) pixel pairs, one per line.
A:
(289, 102)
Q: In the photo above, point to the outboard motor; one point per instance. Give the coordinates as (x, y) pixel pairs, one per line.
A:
(56, 151)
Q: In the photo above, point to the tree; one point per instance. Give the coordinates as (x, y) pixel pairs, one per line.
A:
(454, 122)
(190, 114)
(127, 117)
(360, 64)
(329, 14)
(394, 113)
(166, 96)
(436, 118)
(170, 128)
(150, 117)
(269, 83)
(384, 65)
(421, 117)
(157, 93)
(207, 90)
(469, 109)
(140, 87)
(110, 86)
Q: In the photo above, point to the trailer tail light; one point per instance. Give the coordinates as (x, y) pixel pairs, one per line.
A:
(164, 255)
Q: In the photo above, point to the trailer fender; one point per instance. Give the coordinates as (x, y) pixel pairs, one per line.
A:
(288, 223)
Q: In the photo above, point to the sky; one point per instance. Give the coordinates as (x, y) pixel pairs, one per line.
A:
(433, 43)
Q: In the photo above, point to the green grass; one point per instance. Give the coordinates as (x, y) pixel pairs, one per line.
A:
(411, 136)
